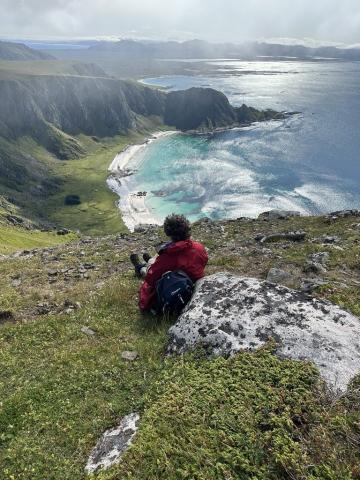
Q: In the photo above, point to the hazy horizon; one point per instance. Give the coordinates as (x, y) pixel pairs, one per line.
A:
(321, 23)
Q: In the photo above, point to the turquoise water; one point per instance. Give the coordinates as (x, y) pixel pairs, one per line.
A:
(309, 162)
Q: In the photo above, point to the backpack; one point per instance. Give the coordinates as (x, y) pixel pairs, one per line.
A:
(174, 290)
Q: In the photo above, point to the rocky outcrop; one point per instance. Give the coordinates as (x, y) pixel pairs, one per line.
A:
(207, 109)
(228, 314)
(198, 107)
(279, 214)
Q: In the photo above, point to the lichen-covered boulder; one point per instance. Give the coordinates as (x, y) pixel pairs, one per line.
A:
(229, 313)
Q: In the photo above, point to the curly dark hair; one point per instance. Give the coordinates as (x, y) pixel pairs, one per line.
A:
(177, 227)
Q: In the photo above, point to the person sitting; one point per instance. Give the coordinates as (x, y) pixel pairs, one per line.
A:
(180, 254)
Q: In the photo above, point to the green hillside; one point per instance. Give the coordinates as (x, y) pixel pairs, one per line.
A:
(252, 416)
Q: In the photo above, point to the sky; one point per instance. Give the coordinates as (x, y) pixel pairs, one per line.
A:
(317, 21)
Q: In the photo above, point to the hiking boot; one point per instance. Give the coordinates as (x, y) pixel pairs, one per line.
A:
(134, 259)
(146, 257)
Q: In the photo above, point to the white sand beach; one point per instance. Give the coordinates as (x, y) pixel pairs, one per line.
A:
(133, 206)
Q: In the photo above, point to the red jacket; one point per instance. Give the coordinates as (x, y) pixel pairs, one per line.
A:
(188, 256)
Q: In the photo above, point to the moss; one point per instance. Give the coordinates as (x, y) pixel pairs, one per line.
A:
(250, 416)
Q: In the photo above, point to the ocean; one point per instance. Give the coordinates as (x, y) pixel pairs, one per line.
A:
(308, 162)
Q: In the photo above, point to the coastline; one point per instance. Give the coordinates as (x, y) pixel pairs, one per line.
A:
(133, 206)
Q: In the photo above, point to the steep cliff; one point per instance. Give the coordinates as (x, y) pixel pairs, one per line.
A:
(52, 108)
(206, 108)
(198, 107)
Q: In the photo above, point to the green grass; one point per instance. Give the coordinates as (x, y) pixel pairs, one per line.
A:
(14, 239)
(60, 388)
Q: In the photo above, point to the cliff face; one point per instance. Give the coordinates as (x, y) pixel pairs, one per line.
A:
(198, 107)
(205, 108)
(52, 111)
(49, 108)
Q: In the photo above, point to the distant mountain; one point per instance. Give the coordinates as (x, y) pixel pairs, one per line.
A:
(201, 49)
(18, 51)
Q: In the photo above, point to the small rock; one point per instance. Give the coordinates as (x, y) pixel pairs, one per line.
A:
(275, 237)
(16, 282)
(314, 267)
(113, 444)
(129, 355)
(320, 257)
(145, 228)
(330, 239)
(52, 273)
(42, 308)
(6, 316)
(278, 214)
(308, 285)
(63, 231)
(276, 275)
(88, 331)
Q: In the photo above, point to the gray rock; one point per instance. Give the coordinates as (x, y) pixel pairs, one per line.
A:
(129, 355)
(278, 214)
(320, 257)
(275, 237)
(276, 275)
(330, 239)
(88, 331)
(113, 444)
(308, 285)
(229, 313)
(345, 213)
(317, 263)
(145, 228)
(314, 267)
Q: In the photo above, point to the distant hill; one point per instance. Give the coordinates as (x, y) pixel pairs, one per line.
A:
(18, 51)
(201, 49)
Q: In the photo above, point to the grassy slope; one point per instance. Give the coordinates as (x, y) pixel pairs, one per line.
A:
(13, 239)
(86, 177)
(253, 416)
(97, 214)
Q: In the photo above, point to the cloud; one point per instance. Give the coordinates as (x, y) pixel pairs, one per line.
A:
(226, 20)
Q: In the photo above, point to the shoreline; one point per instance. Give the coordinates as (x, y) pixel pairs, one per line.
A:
(132, 203)
(132, 206)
